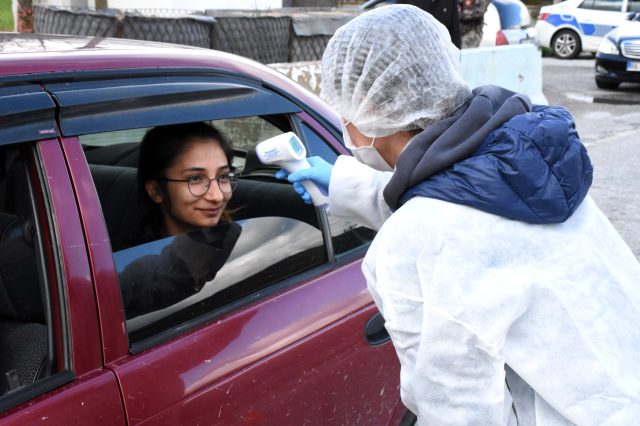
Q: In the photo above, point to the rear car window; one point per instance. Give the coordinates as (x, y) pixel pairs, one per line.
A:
(28, 353)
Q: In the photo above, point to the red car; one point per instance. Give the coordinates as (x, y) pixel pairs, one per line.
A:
(286, 333)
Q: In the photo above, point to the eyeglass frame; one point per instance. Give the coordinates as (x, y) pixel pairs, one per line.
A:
(233, 182)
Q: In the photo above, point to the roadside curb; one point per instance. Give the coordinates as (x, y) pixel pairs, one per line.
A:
(614, 101)
(602, 99)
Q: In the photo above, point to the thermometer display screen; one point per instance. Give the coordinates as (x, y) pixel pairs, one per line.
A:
(296, 146)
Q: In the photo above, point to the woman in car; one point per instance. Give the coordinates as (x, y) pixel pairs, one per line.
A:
(185, 181)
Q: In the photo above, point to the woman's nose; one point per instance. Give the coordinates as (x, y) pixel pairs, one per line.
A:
(214, 193)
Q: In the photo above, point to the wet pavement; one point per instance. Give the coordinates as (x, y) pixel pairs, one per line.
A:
(608, 122)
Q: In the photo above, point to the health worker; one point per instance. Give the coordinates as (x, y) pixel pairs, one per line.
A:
(508, 295)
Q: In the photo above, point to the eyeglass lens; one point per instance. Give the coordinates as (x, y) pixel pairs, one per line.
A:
(199, 185)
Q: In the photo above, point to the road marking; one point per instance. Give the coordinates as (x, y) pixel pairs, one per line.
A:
(579, 97)
(601, 99)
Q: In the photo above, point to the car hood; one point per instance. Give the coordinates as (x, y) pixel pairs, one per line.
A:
(626, 30)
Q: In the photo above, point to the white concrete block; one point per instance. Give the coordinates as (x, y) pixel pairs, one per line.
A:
(517, 68)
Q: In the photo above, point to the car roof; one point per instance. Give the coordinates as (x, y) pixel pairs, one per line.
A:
(24, 54)
(33, 43)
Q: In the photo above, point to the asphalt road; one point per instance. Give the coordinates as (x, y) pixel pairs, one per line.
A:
(608, 122)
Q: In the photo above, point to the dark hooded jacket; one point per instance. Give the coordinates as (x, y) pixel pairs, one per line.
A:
(499, 154)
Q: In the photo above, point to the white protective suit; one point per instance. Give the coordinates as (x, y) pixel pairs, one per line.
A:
(464, 292)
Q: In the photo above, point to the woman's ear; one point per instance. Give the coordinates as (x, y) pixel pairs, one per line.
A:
(153, 191)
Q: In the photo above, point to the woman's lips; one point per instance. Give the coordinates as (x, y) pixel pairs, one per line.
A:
(209, 212)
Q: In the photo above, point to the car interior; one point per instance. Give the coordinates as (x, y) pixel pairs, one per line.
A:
(24, 357)
(258, 193)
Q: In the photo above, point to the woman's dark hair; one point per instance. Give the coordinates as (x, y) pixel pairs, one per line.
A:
(159, 148)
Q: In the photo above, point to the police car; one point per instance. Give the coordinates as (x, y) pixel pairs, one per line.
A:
(575, 26)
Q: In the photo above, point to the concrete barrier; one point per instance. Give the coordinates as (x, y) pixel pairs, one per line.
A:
(517, 68)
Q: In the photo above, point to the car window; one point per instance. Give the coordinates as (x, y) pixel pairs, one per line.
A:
(345, 235)
(168, 282)
(317, 145)
(634, 6)
(246, 132)
(234, 261)
(609, 5)
(586, 4)
(27, 353)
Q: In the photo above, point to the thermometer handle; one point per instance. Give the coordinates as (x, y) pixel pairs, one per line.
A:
(317, 197)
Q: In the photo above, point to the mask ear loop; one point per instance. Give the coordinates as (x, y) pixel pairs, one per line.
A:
(346, 123)
(345, 134)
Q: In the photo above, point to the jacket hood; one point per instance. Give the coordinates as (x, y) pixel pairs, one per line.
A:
(501, 155)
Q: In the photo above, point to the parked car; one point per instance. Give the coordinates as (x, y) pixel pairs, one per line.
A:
(618, 57)
(507, 22)
(576, 26)
(286, 333)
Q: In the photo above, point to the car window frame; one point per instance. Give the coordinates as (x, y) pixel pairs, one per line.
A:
(37, 126)
(592, 5)
(69, 138)
(51, 281)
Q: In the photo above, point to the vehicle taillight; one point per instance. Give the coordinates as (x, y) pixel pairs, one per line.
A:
(543, 16)
(501, 40)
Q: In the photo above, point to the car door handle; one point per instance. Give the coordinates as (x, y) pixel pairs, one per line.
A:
(374, 331)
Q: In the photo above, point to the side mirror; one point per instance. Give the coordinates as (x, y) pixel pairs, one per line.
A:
(633, 16)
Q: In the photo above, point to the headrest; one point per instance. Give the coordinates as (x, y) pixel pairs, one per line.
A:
(20, 292)
(117, 190)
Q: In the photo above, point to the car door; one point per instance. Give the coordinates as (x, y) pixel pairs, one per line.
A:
(598, 17)
(286, 333)
(50, 352)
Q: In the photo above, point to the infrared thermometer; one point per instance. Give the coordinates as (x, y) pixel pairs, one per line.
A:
(288, 152)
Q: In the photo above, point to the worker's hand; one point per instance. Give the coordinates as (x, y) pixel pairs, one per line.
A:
(319, 173)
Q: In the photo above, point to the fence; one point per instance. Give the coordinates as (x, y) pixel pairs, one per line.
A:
(290, 34)
(282, 35)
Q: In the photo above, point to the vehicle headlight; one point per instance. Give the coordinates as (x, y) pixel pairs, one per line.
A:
(609, 47)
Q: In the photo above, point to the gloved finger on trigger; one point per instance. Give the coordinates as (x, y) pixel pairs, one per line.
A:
(299, 188)
(300, 175)
(281, 174)
(316, 161)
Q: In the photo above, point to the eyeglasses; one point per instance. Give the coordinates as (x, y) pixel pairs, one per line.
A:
(200, 184)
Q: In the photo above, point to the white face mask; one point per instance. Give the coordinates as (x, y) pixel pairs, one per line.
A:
(368, 155)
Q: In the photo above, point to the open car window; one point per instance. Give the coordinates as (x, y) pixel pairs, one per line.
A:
(346, 235)
(204, 271)
(278, 235)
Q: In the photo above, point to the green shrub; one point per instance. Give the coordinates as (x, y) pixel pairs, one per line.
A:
(6, 16)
